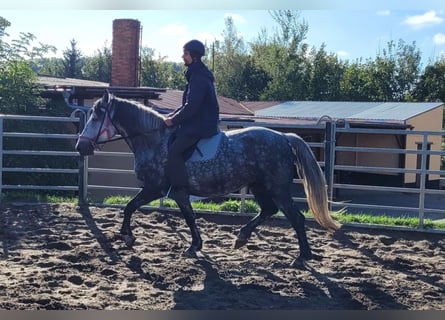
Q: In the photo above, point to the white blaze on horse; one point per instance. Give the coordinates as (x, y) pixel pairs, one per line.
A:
(264, 160)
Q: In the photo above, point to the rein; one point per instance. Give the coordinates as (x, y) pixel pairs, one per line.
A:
(128, 137)
(122, 137)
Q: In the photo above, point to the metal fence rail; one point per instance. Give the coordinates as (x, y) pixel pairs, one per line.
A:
(25, 153)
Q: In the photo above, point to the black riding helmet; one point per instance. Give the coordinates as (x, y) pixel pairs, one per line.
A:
(196, 48)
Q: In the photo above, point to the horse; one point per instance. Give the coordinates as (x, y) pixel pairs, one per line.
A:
(264, 160)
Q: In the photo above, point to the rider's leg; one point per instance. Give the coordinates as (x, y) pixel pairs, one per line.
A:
(176, 170)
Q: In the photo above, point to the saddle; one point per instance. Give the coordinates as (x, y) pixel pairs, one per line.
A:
(205, 149)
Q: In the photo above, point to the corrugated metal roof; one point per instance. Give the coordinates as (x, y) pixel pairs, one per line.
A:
(369, 111)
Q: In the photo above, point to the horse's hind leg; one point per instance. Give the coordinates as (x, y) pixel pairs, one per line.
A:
(297, 221)
(268, 208)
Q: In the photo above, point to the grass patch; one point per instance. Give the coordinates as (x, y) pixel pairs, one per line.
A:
(37, 197)
(59, 199)
(229, 205)
(113, 200)
(234, 206)
(404, 221)
(252, 207)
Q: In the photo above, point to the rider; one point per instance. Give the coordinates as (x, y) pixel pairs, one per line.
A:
(196, 118)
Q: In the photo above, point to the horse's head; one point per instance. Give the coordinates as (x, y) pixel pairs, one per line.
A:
(99, 127)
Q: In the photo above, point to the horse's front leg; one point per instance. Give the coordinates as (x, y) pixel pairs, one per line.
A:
(143, 197)
(190, 219)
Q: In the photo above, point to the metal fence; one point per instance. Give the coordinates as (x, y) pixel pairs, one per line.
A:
(404, 200)
(418, 195)
(20, 152)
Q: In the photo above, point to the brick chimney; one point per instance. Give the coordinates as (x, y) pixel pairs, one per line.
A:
(125, 53)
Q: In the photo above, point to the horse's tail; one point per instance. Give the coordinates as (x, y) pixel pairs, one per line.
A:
(313, 181)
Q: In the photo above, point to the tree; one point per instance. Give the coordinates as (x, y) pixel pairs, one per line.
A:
(431, 85)
(156, 72)
(72, 61)
(229, 57)
(283, 57)
(254, 81)
(390, 77)
(49, 67)
(152, 74)
(98, 67)
(18, 90)
(4, 46)
(326, 75)
(408, 70)
(395, 71)
(356, 83)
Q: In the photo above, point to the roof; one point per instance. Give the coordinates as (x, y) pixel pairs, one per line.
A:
(396, 112)
(87, 89)
(171, 99)
(259, 105)
(46, 81)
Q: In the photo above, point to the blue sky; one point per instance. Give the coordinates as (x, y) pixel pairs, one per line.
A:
(349, 31)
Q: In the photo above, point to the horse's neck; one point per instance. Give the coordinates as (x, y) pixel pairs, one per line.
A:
(133, 119)
(143, 129)
(149, 121)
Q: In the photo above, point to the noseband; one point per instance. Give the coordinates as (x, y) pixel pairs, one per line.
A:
(94, 142)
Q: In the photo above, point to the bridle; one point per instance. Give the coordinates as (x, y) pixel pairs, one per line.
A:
(107, 116)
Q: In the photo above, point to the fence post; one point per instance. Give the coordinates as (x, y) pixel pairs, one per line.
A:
(83, 166)
(243, 200)
(1, 158)
(329, 159)
(423, 175)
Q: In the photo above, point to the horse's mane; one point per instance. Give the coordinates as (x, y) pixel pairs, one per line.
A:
(136, 116)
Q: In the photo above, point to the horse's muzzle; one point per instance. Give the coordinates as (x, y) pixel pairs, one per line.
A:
(84, 147)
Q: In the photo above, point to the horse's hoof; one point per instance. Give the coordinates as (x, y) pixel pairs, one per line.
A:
(240, 242)
(189, 253)
(129, 240)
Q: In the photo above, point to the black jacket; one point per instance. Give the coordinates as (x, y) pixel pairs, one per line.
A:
(198, 116)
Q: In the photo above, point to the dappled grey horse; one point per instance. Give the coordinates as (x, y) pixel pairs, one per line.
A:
(264, 160)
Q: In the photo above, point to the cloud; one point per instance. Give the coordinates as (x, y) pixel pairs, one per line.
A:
(384, 13)
(173, 30)
(439, 38)
(427, 19)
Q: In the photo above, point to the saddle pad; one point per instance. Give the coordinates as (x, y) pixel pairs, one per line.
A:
(206, 148)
